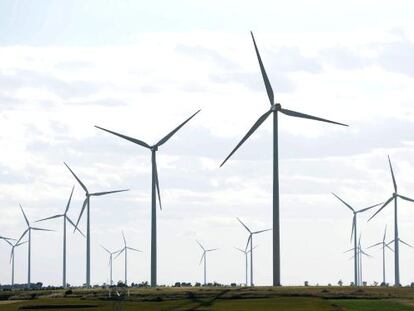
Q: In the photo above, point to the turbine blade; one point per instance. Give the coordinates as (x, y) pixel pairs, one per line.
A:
(80, 215)
(23, 234)
(365, 253)
(97, 194)
(387, 246)
(250, 132)
(134, 140)
(248, 241)
(25, 218)
(406, 243)
(211, 250)
(368, 208)
(119, 253)
(307, 116)
(385, 233)
(243, 224)
(392, 174)
(11, 254)
(240, 250)
(351, 249)
(76, 177)
(5, 238)
(40, 229)
(392, 241)
(353, 226)
(51, 217)
(21, 243)
(266, 81)
(166, 138)
(204, 253)
(373, 245)
(384, 205)
(201, 245)
(75, 228)
(106, 249)
(70, 198)
(346, 204)
(134, 249)
(123, 236)
(405, 198)
(257, 232)
(157, 184)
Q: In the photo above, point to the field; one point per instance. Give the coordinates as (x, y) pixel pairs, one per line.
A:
(244, 298)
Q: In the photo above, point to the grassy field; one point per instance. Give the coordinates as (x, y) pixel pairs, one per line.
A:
(258, 298)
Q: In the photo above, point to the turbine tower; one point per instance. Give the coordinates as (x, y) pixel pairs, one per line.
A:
(65, 218)
(204, 256)
(155, 187)
(125, 251)
(383, 246)
(13, 246)
(110, 263)
(275, 108)
(396, 240)
(250, 241)
(29, 232)
(354, 232)
(86, 205)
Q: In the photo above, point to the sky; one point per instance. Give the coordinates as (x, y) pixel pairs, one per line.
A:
(141, 68)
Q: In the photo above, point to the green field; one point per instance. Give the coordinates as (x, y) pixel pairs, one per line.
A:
(259, 298)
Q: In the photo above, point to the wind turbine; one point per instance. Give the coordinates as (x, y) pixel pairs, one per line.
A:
(125, 251)
(396, 240)
(354, 232)
(383, 246)
(86, 204)
(204, 256)
(250, 240)
(110, 263)
(275, 108)
(246, 252)
(13, 246)
(359, 254)
(65, 218)
(155, 187)
(29, 232)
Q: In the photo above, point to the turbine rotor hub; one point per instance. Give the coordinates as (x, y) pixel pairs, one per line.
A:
(276, 107)
(154, 148)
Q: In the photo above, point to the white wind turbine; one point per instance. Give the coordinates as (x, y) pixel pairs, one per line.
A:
(250, 241)
(65, 218)
(204, 256)
(29, 232)
(383, 246)
(86, 205)
(13, 246)
(125, 251)
(110, 263)
(246, 252)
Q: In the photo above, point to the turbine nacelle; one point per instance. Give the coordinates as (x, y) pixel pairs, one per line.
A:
(276, 107)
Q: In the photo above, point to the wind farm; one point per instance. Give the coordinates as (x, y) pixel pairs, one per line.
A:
(165, 192)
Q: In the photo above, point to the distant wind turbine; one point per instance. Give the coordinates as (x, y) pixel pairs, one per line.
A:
(274, 109)
(86, 205)
(125, 251)
(383, 246)
(155, 187)
(359, 254)
(13, 246)
(250, 241)
(396, 240)
(29, 232)
(354, 233)
(65, 218)
(110, 263)
(204, 256)
(246, 252)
